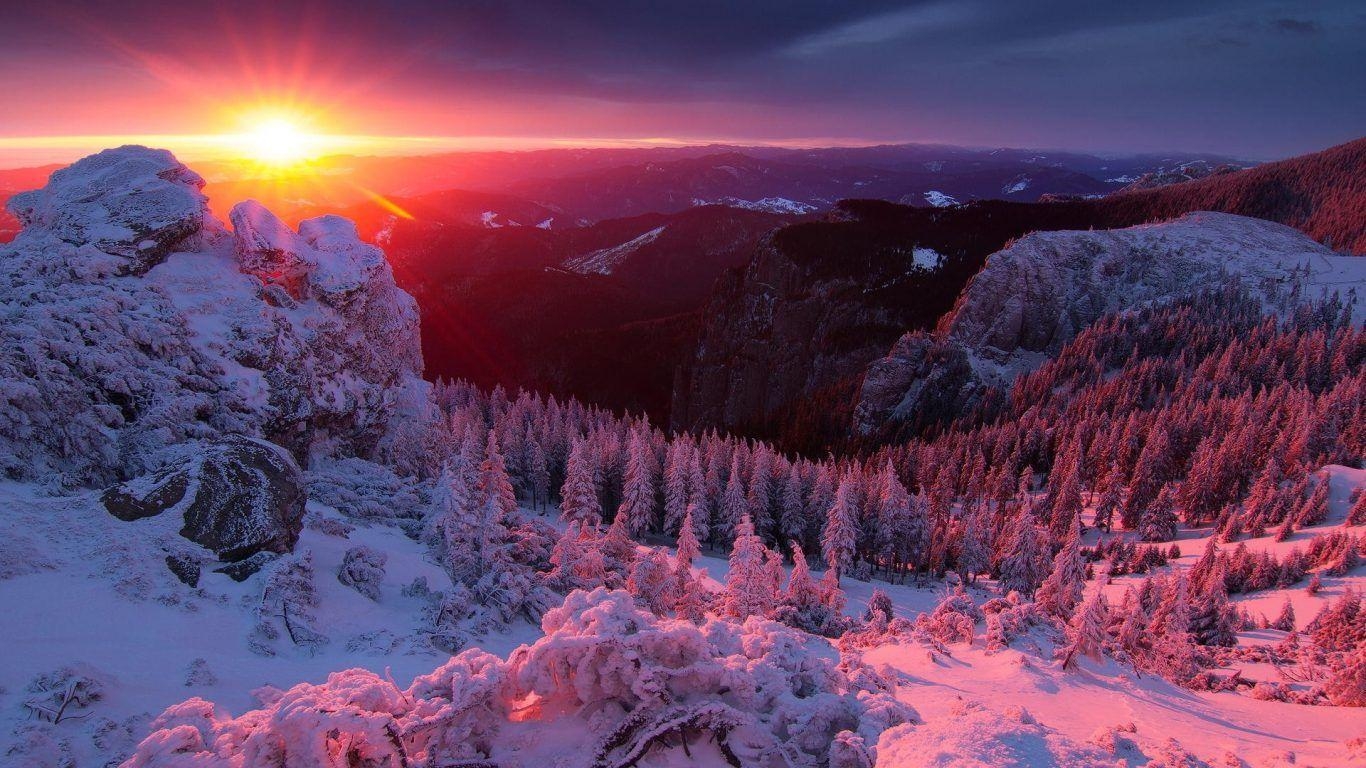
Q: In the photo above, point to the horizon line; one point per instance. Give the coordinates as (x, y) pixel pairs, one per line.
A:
(19, 152)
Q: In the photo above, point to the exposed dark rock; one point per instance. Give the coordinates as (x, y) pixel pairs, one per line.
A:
(185, 568)
(237, 496)
(245, 569)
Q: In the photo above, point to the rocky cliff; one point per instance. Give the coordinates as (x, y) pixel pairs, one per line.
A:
(134, 321)
(1034, 296)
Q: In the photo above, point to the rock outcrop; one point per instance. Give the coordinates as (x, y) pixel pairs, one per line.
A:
(1036, 295)
(133, 321)
(236, 496)
(136, 203)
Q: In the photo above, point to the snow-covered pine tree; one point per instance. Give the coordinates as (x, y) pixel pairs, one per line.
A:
(1158, 520)
(841, 527)
(1025, 559)
(1149, 476)
(733, 506)
(638, 488)
(1062, 590)
(579, 496)
(749, 588)
(538, 470)
(676, 464)
(1086, 632)
(652, 582)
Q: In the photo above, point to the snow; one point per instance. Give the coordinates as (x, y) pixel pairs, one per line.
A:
(767, 205)
(106, 599)
(939, 200)
(926, 258)
(603, 261)
(490, 219)
(1019, 184)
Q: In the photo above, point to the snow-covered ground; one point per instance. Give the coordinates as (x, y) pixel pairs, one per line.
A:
(81, 588)
(103, 602)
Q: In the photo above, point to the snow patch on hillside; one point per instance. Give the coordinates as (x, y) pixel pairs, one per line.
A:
(939, 200)
(603, 261)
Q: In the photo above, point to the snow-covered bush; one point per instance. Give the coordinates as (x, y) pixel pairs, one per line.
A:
(288, 598)
(954, 620)
(608, 680)
(365, 491)
(362, 569)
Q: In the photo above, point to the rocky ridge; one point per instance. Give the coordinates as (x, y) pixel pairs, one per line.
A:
(1034, 296)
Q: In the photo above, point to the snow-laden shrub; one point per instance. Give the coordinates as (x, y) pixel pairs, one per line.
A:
(285, 610)
(362, 569)
(608, 680)
(365, 490)
(953, 620)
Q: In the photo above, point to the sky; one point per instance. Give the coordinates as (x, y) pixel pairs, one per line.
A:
(1251, 79)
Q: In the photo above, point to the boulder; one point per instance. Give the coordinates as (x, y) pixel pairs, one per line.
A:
(236, 496)
(133, 202)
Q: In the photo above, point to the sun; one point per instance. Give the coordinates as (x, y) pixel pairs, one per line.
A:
(278, 141)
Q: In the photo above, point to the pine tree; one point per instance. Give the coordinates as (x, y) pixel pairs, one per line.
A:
(494, 489)
(579, 496)
(1346, 686)
(652, 582)
(1315, 508)
(792, 523)
(538, 470)
(733, 506)
(638, 489)
(1357, 514)
(676, 485)
(1158, 522)
(1214, 620)
(1149, 476)
(841, 527)
(687, 547)
(749, 589)
(978, 543)
(758, 497)
(1086, 632)
(1062, 590)
(1025, 563)
(1285, 621)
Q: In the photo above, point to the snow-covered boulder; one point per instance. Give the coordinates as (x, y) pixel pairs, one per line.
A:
(132, 321)
(1038, 293)
(133, 202)
(237, 497)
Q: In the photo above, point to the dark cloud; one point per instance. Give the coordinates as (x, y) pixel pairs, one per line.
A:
(1208, 75)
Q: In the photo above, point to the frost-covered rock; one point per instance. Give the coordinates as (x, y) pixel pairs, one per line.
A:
(136, 203)
(1035, 295)
(237, 497)
(133, 321)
